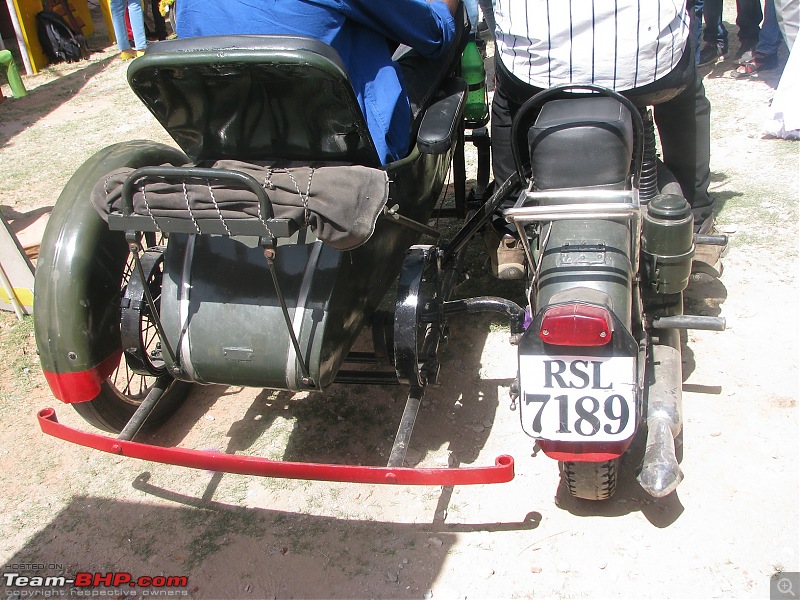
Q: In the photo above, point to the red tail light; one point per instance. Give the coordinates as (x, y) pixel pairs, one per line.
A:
(576, 325)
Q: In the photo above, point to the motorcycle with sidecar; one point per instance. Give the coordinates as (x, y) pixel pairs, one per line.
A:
(260, 251)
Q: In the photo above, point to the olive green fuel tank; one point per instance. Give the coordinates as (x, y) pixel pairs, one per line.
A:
(220, 308)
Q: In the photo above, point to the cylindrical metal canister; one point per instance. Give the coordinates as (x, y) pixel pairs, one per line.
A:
(668, 243)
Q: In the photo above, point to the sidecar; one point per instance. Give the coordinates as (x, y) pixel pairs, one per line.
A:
(254, 256)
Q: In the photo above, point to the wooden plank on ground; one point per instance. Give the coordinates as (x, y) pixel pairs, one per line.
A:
(16, 291)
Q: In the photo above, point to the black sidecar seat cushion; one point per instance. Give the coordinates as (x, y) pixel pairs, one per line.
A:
(254, 98)
(594, 134)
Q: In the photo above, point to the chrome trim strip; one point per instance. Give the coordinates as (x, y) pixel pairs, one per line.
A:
(564, 212)
(184, 350)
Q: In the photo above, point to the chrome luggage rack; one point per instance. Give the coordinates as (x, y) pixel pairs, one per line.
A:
(571, 205)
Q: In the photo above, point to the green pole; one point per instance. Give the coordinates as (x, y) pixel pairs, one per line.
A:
(14, 80)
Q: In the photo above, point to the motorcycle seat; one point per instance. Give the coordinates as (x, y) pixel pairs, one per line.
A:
(278, 97)
(594, 132)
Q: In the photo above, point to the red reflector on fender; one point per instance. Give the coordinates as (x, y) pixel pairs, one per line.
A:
(576, 325)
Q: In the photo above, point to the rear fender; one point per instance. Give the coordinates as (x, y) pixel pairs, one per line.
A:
(584, 451)
(78, 277)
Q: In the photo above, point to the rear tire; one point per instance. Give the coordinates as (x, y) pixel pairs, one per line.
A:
(590, 480)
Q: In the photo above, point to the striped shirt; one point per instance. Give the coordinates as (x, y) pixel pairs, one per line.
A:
(619, 44)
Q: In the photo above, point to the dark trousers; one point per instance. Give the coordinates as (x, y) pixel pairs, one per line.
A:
(158, 21)
(681, 111)
(423, 76)
(748, 18)
(713, 28)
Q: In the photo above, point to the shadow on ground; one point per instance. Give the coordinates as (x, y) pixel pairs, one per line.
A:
(262, 553)
(44, 99)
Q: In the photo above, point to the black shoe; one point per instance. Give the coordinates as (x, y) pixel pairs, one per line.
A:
(703, 219)
(712, 51)
(746, 45)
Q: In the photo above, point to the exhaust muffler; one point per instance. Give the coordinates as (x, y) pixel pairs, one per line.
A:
(661, 472)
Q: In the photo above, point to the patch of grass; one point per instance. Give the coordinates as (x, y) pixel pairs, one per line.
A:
(496, 325)
(279, 485)
(216, 528)
(762, 240)
(324, 426)
(17, 345)
(142, 546)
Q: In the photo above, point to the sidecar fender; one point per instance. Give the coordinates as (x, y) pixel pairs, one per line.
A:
(78, 277)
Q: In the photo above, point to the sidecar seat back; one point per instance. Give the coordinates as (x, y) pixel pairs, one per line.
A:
(254, 98)
(593, 132)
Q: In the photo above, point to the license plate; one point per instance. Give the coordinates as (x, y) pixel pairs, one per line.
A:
(578, 398)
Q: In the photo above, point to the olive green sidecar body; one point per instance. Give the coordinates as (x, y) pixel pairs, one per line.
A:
(225, 315)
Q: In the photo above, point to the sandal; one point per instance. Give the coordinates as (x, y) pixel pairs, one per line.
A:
(754, 64)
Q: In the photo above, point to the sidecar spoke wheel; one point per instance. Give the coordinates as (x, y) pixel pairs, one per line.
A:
(125, 389)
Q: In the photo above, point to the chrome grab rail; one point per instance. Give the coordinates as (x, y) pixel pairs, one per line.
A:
(617, 204)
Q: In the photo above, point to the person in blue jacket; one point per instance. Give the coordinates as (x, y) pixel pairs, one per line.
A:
(359, 30)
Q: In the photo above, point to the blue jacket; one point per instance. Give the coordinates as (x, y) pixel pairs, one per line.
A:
(358, 30)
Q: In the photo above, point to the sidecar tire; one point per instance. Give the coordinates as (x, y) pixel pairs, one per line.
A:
(111, 409)
(590, 480)
(124, 390)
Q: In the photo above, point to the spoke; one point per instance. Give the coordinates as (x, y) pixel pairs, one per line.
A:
(148, 335)
(129, 379)
(142, 385)
(130, 386)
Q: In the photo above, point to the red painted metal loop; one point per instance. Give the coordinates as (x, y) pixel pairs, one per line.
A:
(502, 471)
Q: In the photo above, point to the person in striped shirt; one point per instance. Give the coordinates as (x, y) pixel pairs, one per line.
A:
(640, 48)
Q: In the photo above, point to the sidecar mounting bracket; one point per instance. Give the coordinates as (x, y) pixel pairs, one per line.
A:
(400, 446)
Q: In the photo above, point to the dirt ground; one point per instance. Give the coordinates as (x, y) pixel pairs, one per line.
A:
(731, 525)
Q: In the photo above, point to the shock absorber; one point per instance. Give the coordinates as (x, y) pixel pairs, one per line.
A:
(648, 184)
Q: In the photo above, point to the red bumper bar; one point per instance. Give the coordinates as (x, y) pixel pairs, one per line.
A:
(501, 472)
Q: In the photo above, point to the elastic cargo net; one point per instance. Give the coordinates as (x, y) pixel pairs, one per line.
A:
(340, 204)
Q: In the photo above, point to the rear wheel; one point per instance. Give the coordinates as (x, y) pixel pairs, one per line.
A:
(591, 480)
(140, 365)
